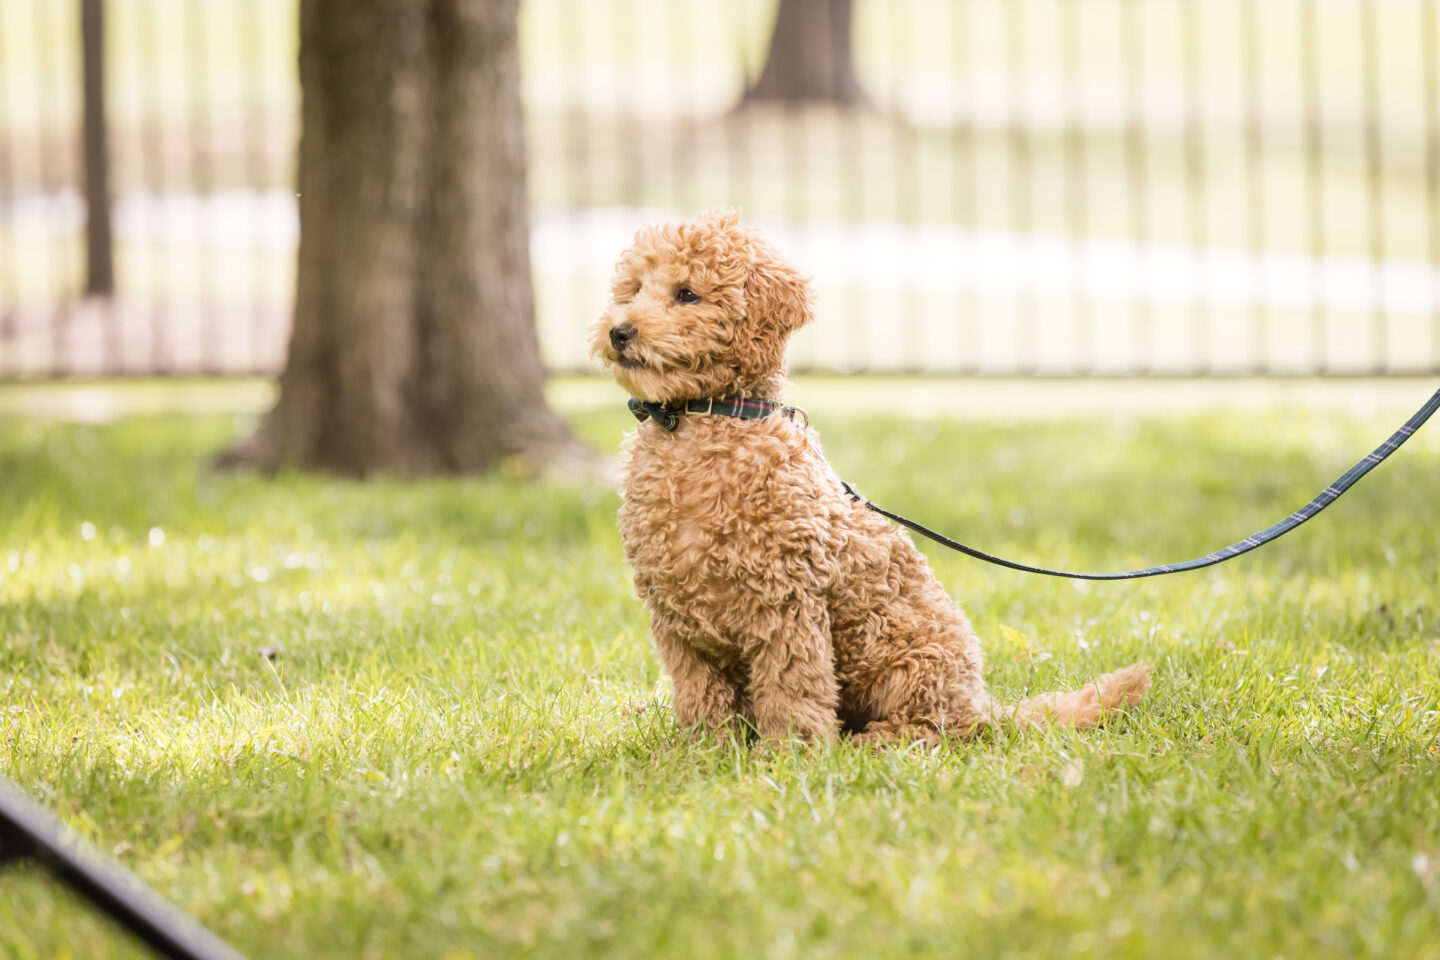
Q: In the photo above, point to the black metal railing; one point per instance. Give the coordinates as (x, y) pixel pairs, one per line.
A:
(978, 186)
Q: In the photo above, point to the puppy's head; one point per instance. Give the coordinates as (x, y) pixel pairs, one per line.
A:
(701, 308)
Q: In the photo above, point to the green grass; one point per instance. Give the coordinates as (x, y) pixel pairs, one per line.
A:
(464, 746)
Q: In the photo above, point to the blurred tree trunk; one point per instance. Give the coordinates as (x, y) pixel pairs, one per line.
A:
(414, 347)
(810, 55)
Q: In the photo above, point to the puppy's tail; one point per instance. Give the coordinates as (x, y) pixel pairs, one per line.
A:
(1087, 707)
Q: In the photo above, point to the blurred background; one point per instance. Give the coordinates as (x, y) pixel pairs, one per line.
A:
(1055, 187)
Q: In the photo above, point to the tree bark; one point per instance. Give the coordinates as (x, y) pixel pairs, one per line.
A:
(810, 56)
(414, 348)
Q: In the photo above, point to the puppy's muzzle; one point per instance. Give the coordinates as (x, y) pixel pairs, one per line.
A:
(621, 336)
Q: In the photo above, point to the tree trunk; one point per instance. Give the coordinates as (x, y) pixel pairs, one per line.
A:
(810, 55)
(414, 347)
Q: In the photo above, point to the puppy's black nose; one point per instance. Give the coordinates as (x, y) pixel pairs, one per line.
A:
(621, 336)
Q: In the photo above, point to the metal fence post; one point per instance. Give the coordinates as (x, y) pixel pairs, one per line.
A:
(99, 248)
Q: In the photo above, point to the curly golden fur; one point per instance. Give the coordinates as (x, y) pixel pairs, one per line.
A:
(774, 598)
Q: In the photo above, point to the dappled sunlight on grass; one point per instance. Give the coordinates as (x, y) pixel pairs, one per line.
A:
(386, 719)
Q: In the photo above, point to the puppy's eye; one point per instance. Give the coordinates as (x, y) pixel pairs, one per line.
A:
(686, 295)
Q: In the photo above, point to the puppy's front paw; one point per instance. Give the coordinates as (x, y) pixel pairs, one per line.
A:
(734, 729)
(800, 741)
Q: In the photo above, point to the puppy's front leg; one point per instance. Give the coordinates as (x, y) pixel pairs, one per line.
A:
(702, 693)
(792, 671)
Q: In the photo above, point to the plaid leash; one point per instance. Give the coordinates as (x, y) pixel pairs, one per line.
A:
(668, 415)
(1326, 497)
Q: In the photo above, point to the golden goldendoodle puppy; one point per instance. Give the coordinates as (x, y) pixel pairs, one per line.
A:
(773, 596)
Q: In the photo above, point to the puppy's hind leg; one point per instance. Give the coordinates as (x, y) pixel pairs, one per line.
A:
(931, 690)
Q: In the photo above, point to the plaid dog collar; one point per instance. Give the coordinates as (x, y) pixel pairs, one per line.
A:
(668, 415)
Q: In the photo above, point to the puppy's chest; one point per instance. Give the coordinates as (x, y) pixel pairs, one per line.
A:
(697, 509)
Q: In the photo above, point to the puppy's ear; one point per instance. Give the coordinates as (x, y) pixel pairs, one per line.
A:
(778, 297)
